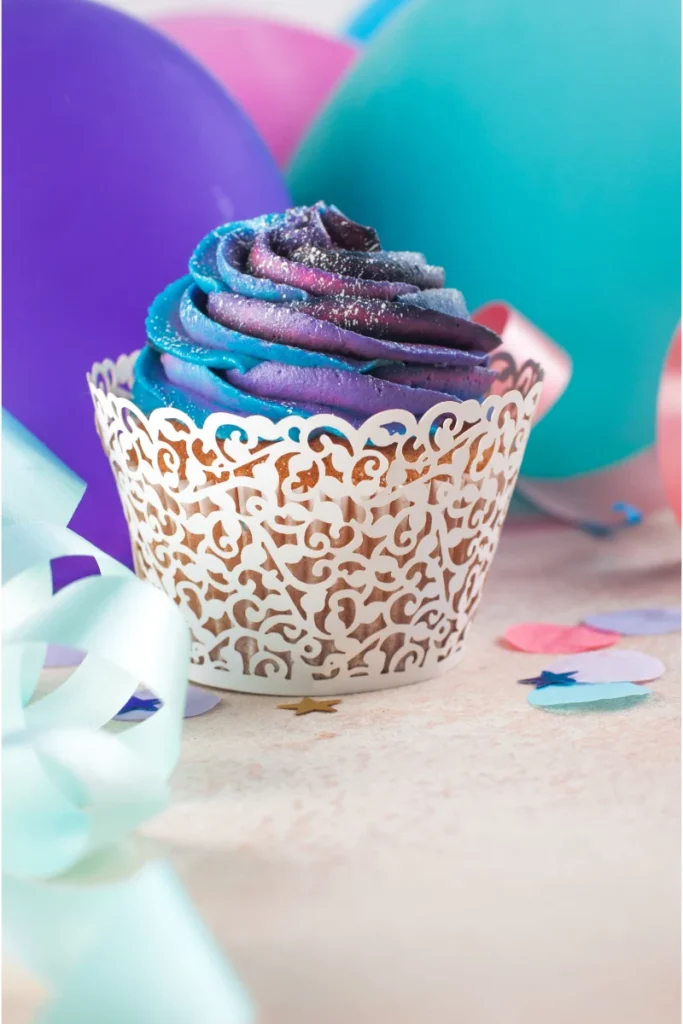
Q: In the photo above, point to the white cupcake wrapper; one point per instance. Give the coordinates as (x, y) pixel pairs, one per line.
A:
(311, 563)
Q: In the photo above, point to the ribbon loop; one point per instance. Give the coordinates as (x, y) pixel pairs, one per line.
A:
(71, 789)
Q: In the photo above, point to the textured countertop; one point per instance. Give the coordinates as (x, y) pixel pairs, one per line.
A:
(445, 852)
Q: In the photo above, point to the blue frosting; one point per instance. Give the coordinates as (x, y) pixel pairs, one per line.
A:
(213, 273)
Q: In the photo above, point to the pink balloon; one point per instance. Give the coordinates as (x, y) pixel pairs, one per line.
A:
(669, 425)
(280, 74)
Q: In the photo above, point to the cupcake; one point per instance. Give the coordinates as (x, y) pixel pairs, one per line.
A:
(314, 455)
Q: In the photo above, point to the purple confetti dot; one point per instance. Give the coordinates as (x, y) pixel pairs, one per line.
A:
(613, 666)
(637, 621)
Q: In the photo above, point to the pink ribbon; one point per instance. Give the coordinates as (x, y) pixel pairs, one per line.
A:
(523, 340)
(619, 495)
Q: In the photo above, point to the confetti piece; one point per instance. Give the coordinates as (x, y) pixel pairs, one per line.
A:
(610, 666)
(197, 702)
(547, 638)
(631, 516)
(551, 679)
(144, 704)
(63, 657)
(307, 704)
(584, 693)
(637, 621)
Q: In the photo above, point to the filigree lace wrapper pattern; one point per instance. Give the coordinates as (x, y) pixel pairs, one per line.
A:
(310, 556)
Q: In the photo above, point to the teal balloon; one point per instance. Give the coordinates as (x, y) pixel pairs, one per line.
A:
(368, 20)
(532, 148)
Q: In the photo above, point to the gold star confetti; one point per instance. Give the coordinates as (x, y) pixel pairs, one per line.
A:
(307, 704)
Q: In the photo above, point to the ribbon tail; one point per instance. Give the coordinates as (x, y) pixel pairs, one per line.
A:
(132, 951)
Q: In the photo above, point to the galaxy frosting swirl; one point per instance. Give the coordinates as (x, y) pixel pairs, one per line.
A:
(303, 312)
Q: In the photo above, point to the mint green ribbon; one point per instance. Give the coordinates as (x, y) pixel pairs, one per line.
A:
(134, 950)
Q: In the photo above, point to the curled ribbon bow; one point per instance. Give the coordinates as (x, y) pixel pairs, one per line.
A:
(131, 950)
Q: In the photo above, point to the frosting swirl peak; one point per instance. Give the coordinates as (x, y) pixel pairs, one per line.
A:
(303, 312)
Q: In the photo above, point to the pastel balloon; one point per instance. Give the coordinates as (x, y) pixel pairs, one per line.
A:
(548, 638)
(610, 666)
(534, 151)
(120, 151)
(280, 74)
(669, 425)
(366, 22)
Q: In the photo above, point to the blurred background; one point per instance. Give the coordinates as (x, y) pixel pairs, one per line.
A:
(532, 150)
(323, 15)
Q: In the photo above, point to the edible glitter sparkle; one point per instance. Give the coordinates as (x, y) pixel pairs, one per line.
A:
(303, 312)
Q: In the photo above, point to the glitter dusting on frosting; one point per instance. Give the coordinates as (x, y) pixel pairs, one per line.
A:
(304, 312)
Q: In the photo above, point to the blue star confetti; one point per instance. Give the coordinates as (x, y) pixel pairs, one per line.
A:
(551, 679)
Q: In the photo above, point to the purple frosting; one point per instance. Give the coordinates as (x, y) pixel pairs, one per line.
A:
(303, 312)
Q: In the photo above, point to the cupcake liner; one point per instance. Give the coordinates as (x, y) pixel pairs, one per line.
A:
(311, 557)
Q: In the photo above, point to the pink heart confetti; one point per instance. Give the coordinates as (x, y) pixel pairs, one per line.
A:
(549, 638)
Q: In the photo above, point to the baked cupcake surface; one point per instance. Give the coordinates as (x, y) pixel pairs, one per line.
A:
(303, 312)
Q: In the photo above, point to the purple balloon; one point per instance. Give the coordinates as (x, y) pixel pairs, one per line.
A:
(119, 153)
